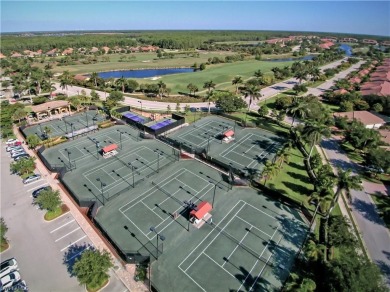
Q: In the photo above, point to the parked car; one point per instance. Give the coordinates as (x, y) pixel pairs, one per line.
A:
(20, 286)
(10, 148)
(11, 141)
(373, 168)
(16, 154)
(8, 266)
(21, 156)
(19, 149)
(36, 193)
(15, 144)
(8, 280)
(31, 178)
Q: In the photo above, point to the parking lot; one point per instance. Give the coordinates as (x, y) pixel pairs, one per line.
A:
(44, 250)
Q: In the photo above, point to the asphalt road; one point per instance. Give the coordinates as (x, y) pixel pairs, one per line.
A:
(44, 250)
(373, 230)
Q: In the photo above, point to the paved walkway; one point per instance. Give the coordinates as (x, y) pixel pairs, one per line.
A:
(125, 272)
(372, 228)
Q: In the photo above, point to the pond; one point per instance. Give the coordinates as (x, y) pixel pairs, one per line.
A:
(143, 73)
(347, 49)
(308, 57)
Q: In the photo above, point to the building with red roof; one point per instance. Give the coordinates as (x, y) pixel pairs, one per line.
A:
(201, 211)
(370, 120)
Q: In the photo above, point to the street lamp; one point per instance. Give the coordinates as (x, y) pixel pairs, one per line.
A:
(158, 160)
(141, 106)
(86, 117)
(132, 171)
(69, 153)
(208, 142)
(71, 128)
(120, 137)
(162, 237)
(102, 185)
(215, 188)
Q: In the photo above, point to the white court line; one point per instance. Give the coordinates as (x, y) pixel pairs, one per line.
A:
(218, 264)
(253, 226)
(260, 210)
(73, 243)
(72, 257)
(58, 239)
(237, 246)
(265, 248)
(62, 225)
(36, 187)
(192, 279)
(151, 210)
(219, 233)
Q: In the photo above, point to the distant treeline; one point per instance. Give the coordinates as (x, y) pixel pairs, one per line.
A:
(164, 39)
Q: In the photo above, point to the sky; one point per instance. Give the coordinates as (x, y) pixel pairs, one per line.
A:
(358, 17)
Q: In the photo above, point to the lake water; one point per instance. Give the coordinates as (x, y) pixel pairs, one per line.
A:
(144, 73)
(347, 49)
(308, 57)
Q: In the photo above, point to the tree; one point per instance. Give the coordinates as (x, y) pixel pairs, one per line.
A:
(314, 251)
(362, 138)
(187, 108)
(3, 231)
(228, 102)
(283, 157)
(178, 107)
(259, 76)
(301, 75)
(269, 171)
(121, 83)
(254, 94)
(33, 141)
(346, 106)
(169, 109)
(379, 158)
(202, 66)
(94, 95)
(75, 102)
(115, 97)
(23, 166)
(298, 108)
(66, 79)
(191, 87)
(263, 110)
(19, 114)
(323, 199)
(313, 132)
(377, 107)
(94, 77)
(49, 200)
(92, 268)
(237, 81)
(339, 233)
(209, 85)
(161, 88)
(345, 182)
(299, 88)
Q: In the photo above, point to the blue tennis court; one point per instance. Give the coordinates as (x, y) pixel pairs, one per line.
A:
(134, 117)
(162, 124)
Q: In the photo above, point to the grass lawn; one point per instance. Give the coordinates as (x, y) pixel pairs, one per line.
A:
(56, 213)
(293, 180)
(383, 205)
(4, 246)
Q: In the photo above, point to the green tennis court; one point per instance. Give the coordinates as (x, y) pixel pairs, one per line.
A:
(67, 124)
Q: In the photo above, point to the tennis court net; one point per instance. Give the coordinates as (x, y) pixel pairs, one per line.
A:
(167, 193)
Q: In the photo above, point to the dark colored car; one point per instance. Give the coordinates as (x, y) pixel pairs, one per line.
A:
(36, 193)
(21, 156)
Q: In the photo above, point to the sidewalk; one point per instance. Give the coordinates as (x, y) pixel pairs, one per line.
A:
(125, 272)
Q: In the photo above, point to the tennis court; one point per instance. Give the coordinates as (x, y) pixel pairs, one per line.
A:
(155, 125)
(249, 150)
(135, 117)
(67, 124)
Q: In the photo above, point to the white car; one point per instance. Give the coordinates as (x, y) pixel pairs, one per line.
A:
(31, 178)
(15, 154)
(10, 148)
(8, 280)
(11, 141)
(8, 266)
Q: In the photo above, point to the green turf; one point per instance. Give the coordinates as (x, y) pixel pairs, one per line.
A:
(292, 180)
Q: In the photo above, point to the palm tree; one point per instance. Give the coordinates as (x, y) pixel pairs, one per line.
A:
(209, 85)
(345, 182)
(269, 171)
(323, 199)
(190, 87)
(259, 76)
(301, 75)
(94, 77)
(314, 251)
(161, 88)
(298, 108)
(47, 131)
(66, 79)
(313, 132)
(283, 157)
(121, 83)
(236, 81)
(315, 73)
(210, 98)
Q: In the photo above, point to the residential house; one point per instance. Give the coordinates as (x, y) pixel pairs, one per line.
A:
(370, 120)
(67, 52)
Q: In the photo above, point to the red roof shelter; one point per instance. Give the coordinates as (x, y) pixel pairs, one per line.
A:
(110, 148)
(228, 133)
(203, 208)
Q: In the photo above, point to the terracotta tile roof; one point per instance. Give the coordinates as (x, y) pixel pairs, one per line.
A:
(52, 104)
(385, 136)
(16, 55)
(355, 80)
(2, 56)
(80, 77)
(341, 91)
(365, 117)
(376, 88)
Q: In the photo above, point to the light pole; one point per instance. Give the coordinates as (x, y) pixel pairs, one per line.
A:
(158, 160)
(208, 142)
(69, 153)
(132, 172)
(71, 128)
(141, 106)
(215, 188)
(86, 117)
(102, 185)
(120, 137)
(162, 237)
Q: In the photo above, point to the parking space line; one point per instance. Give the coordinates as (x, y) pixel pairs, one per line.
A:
(58, 239)
(73, 242)
(29, 184)
(42, 185)
(62, 225)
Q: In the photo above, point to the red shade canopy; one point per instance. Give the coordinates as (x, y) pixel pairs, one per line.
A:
(203, 208)
(110, 148)
(228, 133)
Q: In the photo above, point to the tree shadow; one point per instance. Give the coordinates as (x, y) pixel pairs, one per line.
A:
(385, 268)
(298, 176)
(368, 211)
(343, 164)
(298, 188)
(297, 166)
(74, 253)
